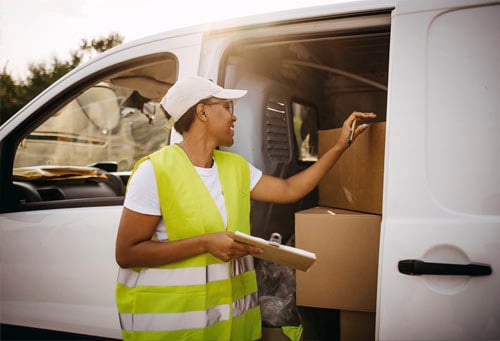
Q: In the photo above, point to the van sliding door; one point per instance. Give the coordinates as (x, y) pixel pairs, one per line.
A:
(440, 254)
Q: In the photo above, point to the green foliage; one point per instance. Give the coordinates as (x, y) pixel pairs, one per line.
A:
(11, 95)
(101, 44)
(15, 94)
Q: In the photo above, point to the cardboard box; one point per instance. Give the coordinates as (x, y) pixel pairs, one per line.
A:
(356, 325)
(346, 244)
(273, 334)
(356, 181)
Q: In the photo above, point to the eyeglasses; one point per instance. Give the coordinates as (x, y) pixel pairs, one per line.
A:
(227, 104)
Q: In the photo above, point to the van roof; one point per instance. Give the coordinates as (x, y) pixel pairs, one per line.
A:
(342, 8)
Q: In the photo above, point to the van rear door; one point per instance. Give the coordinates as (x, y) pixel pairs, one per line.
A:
(442, 178)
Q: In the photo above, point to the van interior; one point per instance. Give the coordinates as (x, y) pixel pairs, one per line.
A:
(297, 87)
(327, 77)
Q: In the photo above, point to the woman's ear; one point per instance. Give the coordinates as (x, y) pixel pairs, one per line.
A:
(200, 112)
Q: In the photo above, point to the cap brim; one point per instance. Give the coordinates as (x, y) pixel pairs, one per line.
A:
(230, 94)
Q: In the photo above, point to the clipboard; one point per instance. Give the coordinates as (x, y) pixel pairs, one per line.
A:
(278, 253)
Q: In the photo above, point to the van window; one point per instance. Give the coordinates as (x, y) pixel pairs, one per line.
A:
(305, 128)
(463, 147)
(116, 120)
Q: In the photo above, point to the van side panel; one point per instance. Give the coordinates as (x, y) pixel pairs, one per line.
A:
(442, 174)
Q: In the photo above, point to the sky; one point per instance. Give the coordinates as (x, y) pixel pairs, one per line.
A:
(35, 31)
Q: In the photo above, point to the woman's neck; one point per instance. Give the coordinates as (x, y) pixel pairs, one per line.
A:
(199, 154)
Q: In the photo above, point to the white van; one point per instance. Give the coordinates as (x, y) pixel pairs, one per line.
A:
(429, 69)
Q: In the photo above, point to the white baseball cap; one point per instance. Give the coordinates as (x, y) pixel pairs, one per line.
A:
(188, 91)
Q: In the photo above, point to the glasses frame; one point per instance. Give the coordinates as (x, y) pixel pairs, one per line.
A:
(231, 104)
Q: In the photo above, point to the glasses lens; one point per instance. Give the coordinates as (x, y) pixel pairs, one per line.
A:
(226, 104)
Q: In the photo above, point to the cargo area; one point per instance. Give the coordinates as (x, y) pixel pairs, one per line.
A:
(300, 90)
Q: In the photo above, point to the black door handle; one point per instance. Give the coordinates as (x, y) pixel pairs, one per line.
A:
(418, 267)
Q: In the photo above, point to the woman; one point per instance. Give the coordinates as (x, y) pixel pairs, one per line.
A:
(182, 276)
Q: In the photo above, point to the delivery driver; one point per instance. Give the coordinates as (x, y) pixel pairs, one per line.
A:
(182, 276)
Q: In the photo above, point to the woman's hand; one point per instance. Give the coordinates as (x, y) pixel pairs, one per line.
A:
(223, 246)
(355, 121)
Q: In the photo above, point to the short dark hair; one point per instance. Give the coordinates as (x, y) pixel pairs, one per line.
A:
(184, 123)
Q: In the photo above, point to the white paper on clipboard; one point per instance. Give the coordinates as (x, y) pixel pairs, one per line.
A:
(277, 253)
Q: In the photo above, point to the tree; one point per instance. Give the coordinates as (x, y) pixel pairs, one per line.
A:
(11, 96)
(101, 44)
(15, 94)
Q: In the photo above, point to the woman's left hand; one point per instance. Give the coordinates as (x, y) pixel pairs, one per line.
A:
(223, 246)
(353, 126)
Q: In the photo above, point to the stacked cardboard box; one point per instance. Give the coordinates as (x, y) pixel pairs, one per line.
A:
(344, 275)
(357, 325)
(355, 182)
(273, 334)
(345, 233)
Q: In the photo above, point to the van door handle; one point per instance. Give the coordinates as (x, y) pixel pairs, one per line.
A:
(418, 267)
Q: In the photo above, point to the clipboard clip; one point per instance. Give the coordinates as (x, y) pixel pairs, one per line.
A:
(275, 239)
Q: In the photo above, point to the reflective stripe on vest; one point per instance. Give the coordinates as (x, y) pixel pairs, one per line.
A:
(175, 321)
(173, 277)
(184, 276)
(187, 320)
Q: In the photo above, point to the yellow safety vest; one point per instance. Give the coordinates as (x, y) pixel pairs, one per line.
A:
(200, 298)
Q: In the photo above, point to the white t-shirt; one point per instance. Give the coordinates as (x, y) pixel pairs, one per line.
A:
(142, 192)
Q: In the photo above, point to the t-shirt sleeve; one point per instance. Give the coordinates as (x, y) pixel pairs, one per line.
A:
(255, 175)
(142, 191)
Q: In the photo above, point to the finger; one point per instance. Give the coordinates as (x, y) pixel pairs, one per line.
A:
(256, 251)
(252, 251)
(362, 115)
(249, 248)
(359, 117)
(354, 116)
(360, 129)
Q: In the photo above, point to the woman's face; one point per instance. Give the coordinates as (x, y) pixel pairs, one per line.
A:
(221, 120)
